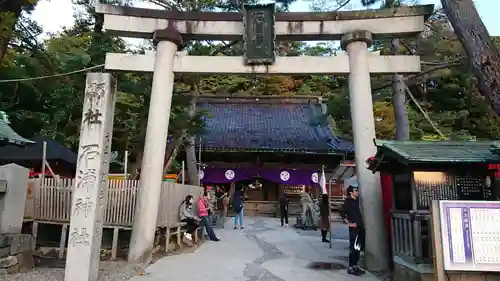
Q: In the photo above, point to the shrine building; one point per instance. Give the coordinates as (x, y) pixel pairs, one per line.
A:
(270, 146)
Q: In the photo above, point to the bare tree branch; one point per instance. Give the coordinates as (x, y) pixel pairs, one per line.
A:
(430, 70)
(224, 47)
(342, 5)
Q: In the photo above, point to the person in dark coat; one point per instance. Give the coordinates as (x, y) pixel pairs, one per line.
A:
(284, 210)
(352, 216)
(324, 211)
(238, 206)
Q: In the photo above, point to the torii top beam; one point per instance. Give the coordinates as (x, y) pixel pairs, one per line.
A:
(303, 65)
(382, 23)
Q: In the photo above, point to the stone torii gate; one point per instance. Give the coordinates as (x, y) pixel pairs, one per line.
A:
(259, 26)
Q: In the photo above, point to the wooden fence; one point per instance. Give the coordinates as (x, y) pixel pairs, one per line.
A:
(171, 198)
(411, 236)
(52, 201)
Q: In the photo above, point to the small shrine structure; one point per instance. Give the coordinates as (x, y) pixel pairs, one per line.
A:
(416, 172)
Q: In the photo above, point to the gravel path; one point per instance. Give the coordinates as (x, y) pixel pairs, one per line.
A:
(110, 271)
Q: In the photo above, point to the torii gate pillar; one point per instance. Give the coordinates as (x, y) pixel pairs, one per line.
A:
(363, 125)
(168, 41)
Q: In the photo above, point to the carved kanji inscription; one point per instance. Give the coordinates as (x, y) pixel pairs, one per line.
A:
(92, 117)
(83, 205)
(79, 236)
(95, 94)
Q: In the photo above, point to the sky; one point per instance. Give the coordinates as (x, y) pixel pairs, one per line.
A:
(53, 15)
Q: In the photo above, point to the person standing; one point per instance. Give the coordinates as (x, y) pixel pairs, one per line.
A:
(238, 206)
(352, 216)
(225, 206)
(203, 213)
(324, 211)
(284, 210)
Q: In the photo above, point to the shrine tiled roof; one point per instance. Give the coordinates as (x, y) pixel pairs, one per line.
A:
(8, 135)
(459, 152)
(273, 127)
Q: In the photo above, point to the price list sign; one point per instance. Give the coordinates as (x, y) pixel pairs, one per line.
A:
(471, 235)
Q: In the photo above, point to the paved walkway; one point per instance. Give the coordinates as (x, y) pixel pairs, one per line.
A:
(262, 251)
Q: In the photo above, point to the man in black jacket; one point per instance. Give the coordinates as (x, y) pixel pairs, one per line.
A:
(284, 211)
(352, 216)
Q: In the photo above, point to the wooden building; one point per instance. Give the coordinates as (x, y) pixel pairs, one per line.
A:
(269, 146)
(413, 173)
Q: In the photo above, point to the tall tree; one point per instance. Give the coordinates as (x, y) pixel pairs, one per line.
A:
(482, 53)
(483, 57)
(398, 89)
(10, 12)
(191, 164)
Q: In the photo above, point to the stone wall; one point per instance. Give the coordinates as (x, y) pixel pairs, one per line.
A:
(16, 253)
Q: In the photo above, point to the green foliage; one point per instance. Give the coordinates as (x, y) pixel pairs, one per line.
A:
(52, 107)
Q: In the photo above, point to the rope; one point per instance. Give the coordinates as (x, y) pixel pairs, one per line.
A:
(51, 76)
(424, 113)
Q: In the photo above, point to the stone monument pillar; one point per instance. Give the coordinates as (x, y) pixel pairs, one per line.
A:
(90, 192)
(363, 126)
(167, 41)
(13, 189)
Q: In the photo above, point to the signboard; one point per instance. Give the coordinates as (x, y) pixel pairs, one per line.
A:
(293, 189)
(471, 235)
(259, 36)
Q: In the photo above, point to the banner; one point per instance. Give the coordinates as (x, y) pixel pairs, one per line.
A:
(282, 176)
(323, 182)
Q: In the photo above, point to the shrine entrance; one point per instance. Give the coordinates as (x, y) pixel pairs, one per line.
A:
(259, 26)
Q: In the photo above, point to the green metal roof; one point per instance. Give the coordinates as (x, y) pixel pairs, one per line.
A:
(495, 147)
(8, 134)
(439, 151)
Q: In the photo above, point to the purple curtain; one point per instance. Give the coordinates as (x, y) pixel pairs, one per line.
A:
(283, 176)
(227, 175)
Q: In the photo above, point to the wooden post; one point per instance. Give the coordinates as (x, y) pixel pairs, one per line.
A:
(62, 243)
(167, 238)
(232, 189)
(200, 167)
(34, 233)
(183, 173)
(125, 166)
(437, 243)
(44, 155)
(36, 201)
(415, 223)
(330, 210)
(114, 246)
